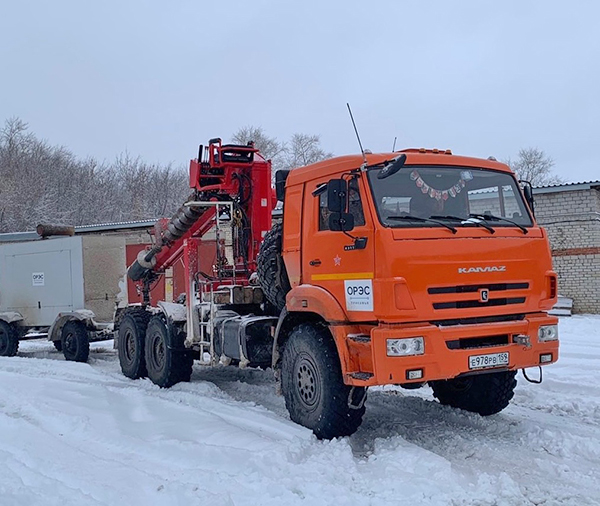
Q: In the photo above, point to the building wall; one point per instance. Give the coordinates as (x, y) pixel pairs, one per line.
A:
(572, 220)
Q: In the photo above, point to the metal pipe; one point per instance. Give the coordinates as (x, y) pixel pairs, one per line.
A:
(46, 230)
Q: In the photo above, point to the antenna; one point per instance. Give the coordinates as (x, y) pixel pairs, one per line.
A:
(357, 136)
(394, 146)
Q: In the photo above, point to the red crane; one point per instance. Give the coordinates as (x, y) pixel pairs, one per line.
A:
(230, 182)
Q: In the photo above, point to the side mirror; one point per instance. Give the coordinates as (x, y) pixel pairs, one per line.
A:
(341, 222)
(337, 192)
(528, 192)
(393, 167)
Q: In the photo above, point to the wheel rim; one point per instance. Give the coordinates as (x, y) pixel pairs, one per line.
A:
(461, 384)
(306, 377)
(157, 351)
(70, 344)
(130, 346)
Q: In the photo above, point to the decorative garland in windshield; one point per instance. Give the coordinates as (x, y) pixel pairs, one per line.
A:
(453, 191)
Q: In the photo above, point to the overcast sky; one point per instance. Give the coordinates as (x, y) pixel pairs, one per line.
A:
(158, 78)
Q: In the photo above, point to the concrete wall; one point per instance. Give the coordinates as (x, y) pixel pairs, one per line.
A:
(572, 220)
(103, 273)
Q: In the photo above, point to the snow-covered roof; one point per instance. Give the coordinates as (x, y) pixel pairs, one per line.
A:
(82, 229)
(563, 187)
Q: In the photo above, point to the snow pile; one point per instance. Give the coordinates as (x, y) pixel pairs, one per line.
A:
(79, 434)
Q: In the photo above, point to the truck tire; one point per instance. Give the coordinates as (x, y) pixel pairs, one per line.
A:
(167, 360)
(272, 275)
(57, 344)
(9, 340)
(130, 343)
(485, 394)
(75, 342)
(311, 379)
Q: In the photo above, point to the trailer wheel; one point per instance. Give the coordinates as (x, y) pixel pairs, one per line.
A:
(75, 342)
(167, 360)
(130, 343)
(9, 340)
(485, 394)
(311, 380)
(270, 268)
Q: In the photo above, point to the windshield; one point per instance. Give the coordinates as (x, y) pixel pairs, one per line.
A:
(416, 194)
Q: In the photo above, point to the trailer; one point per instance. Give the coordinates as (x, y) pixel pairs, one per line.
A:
(64, 287)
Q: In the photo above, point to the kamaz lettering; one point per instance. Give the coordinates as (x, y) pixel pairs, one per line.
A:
(471, 270)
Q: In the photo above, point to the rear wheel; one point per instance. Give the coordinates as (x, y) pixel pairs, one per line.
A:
(485, 394)
(167, 360)
(9, 339)
(311, 380)
(130, 344)
(75, 342)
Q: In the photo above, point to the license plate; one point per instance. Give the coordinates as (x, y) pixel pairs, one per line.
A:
(489, 360)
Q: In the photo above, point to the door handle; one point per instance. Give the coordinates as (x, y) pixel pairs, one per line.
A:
(315, 263)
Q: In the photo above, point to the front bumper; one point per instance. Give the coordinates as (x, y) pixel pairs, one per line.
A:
(443, 359)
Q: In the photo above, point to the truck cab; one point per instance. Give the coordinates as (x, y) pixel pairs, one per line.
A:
(431, 271)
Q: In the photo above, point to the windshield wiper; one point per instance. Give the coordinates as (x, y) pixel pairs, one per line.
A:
(499, 218)
(471, 219)
(410, 217)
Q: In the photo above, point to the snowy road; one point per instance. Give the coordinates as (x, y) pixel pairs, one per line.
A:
(82, 434)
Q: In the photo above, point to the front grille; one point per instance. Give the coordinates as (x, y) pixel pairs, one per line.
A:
(477, 342)
(442, 295)
(463, 304)
(495, 287)
(478, 320)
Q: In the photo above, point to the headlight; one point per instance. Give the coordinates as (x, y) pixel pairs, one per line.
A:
(405, 347)
(548, 333)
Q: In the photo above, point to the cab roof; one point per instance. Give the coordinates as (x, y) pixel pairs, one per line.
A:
(339, 164)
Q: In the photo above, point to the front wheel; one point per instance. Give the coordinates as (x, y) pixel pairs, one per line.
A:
(486, 394)
(167, 360)
(311, 379)
(75, 342)
(9, 340)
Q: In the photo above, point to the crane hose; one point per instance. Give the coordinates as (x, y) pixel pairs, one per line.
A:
(177, 226)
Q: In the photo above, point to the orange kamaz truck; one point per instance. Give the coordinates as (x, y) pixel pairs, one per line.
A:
(407, 268)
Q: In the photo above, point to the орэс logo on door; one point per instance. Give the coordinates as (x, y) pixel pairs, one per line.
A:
(359, 295)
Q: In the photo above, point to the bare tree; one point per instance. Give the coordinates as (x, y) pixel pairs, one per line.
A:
(303, 150)
(269, 147)
(535, 166)
(40, 182)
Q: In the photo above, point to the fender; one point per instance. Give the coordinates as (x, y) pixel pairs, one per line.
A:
(288, 320)
(11, 317)
(173, 311)
(314, 299)
(82, 315)
(309, 303)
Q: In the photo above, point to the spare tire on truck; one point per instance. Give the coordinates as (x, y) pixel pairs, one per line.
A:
(272, 275)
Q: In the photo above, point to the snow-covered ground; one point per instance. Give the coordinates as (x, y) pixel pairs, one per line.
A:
(82, 434)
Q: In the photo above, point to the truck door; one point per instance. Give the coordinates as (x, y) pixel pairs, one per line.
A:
(330, 259)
